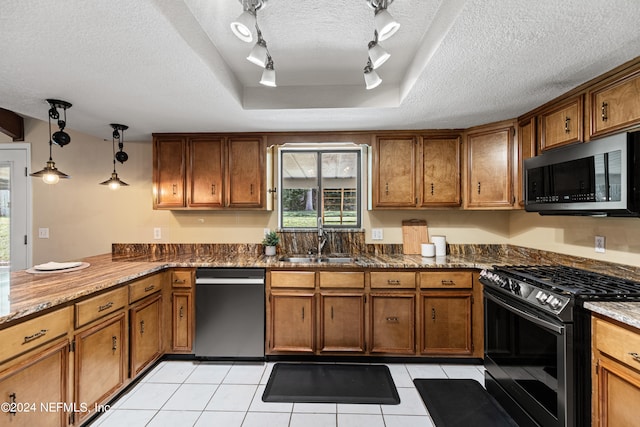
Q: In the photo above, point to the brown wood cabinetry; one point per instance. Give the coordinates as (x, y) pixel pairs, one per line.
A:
(440, 172)
(182, 310)
(342, 322)
(616, 373)
(292, 322)
(392, 322)
(146, 333)
(615, 104)
(526, 149)
(562, 123)
(489, 151)
(100, 361)
(222, 172)
(34, 387)
(394, 175)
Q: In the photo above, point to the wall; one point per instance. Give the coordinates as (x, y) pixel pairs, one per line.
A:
(84, 218)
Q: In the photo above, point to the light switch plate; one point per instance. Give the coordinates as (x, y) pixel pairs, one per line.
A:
(599, 245)
(43, 233)
(376, 234)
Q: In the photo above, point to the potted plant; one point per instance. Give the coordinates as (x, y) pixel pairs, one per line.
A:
(270, 242)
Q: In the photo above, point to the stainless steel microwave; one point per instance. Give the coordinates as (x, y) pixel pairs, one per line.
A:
(599, 178)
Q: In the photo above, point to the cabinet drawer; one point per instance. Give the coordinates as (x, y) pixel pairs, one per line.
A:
(342, 279)
(182, 278)
(446, 279)
(293, 279)
(101, 305)
(33, 333)
(618, 342)
(143, 287)
(393, 279)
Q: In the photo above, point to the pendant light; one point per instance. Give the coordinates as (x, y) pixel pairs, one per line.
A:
(114, 182)
(386, 25)
(50, 174)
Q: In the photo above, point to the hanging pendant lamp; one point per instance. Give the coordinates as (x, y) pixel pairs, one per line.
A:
(50, 174)
(114, 182)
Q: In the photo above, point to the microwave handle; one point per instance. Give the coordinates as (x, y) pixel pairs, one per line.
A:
(541, 322)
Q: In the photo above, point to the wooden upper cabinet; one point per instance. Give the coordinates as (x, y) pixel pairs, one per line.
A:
(394, 180)
(206, 172)
(615, 105)
(526, 149)
(562, 124)
(489, 167)
(246, 163)
(440, 172)
(169, 166)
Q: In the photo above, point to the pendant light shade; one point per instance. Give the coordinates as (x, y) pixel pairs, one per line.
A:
(259, 54)
(377, 54)
(50, 174)
(269, 74)
(385, 24)
(114, 182)
(244, 25)
(371, 78)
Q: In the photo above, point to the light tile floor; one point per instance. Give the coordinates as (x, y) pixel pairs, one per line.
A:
(192, 393)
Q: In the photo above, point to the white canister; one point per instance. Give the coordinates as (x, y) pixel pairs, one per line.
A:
(428, 250)
(440, 243)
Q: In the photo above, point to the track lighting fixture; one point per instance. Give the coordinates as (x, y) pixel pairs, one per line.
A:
(50, 174)
(386, 26)
(114, 182)
(259, 54)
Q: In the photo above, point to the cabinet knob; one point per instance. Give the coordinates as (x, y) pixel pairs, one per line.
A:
(181, 313)
(479, 187)
(635, 356)
(393, 319)
(604, 112)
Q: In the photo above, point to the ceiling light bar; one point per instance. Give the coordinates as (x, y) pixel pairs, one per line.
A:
(386, 26)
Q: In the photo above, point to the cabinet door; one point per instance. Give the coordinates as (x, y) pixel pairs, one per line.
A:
(392, 323)
(182, 322)
(342, 322)
(169, 162)
(146, 340)
(394, 174)
(246, 172)
(440, 172)
(618, 397)
(562, 124)
(489, 168)
(616, 105)
(446, 323)
(526, 149)
(40, 380)
(292, 322)
(206, 172)
(100, 365)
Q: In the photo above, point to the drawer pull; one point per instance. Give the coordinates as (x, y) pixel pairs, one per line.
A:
(114, 343)
(181, 314)
(566, 125)
(604, 111)
(107, 306)
(635, 356)
(433, 313)
(39, 334)
(393, 281)
(393, 320)
(141, 327)
(180, 282)
(448, 283)
(149, 288)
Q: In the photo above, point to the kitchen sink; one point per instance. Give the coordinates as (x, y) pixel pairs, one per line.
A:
(312, 259)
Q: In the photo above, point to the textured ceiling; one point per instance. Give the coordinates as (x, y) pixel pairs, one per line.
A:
(174, 65)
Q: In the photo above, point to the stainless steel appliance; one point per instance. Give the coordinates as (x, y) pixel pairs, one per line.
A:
(230, 313)
(538, 340)
(598, 178)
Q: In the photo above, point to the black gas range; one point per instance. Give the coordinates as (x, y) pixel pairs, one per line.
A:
(538, 339)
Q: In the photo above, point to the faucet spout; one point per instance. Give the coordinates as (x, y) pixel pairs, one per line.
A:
(322, 240)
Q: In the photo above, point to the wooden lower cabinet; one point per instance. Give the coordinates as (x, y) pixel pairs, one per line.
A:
(342, 322)
(146, 333)
(392, 327)
(182, 322)
(292, 322)
(446, 323)
(100, 361)
(33, 388)
(616, 373)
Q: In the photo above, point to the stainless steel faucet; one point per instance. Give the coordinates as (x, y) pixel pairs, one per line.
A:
(322, 240)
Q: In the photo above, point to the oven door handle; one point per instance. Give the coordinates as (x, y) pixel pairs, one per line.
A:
(541, 322)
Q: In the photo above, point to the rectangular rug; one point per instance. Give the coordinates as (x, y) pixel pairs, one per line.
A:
(461, 403)
(331, 383)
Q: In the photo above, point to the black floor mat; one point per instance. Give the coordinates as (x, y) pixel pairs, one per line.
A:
(331, 383)
(461, 403)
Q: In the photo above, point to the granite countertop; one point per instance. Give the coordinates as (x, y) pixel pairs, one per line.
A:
(625, 312)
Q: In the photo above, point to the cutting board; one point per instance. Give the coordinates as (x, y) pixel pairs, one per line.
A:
(414, 233)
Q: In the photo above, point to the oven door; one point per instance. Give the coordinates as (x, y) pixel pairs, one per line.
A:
(526, 355)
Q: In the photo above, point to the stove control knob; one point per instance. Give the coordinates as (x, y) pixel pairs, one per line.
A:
(515, 288)
(542, 297)
(555, 303)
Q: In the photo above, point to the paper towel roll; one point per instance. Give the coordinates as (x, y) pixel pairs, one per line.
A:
(440, 243)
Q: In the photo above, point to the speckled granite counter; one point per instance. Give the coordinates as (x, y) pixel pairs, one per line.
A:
(625, 312)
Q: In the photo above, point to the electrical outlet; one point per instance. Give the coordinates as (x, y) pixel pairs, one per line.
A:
(43, 233)
(157, 233)
(376, 234)
(600, 244)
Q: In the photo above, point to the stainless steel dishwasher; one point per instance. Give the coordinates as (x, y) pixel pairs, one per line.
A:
(230, 313)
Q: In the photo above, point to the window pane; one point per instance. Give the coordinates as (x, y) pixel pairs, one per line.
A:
(299, 189)
(340, 189)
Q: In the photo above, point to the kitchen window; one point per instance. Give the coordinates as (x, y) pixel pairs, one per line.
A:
(320, 181)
